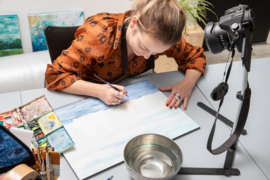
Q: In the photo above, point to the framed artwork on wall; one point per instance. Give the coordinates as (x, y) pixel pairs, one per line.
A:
(10, 36)
(38, 21)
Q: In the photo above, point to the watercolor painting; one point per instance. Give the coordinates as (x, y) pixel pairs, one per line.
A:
(11, 151)
(10, 37)
(49, 122)
(60, 140)
(38, 21)
(100, 132)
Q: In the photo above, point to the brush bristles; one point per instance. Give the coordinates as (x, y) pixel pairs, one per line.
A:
(55, 158)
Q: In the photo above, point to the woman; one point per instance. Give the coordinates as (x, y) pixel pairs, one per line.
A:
(114, 45)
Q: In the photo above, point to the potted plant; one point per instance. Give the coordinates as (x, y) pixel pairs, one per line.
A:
(196, 10)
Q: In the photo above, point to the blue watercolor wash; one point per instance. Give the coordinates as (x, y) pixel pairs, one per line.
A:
(50, 125)
(60, 140)
(68, 113)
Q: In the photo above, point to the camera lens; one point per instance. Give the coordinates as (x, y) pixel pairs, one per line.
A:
(216, 39)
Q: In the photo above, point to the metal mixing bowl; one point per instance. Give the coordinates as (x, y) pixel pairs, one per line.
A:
(152, 157)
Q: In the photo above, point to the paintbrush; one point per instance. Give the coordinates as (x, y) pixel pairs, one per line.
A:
(38, 155)
(43, 172)
(36, 166)
(125, 93)
(51, 169)
(33, 151)
(39, 150)
(47, 164)
(55, 164)
(52, 149)
(44, 152)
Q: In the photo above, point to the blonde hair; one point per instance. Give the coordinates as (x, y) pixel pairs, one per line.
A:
(163, 19)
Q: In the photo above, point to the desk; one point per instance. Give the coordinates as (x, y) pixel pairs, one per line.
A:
(257, 126)
(193, 145)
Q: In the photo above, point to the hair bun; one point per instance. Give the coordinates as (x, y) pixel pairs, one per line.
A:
(167, 15)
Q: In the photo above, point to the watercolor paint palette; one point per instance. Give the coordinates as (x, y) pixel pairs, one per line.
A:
(35, 109)
(11, 119)
(39, 117)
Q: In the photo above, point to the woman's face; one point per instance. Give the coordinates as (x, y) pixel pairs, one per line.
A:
(143, 44)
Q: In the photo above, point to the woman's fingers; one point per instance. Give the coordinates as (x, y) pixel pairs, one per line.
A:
(185, 103)
(177, 104)
(169, 100)
(121, 88)
(121, 96)
(117, 97)
(173, 102)
(167, 88)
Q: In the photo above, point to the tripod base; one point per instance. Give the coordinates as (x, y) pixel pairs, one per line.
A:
(227, 170)
(209, 171)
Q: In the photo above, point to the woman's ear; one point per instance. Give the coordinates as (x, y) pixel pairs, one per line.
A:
(133, 22)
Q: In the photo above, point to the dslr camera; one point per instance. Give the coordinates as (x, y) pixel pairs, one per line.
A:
(235, 28)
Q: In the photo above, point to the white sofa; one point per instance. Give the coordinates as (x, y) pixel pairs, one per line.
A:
(23, 72)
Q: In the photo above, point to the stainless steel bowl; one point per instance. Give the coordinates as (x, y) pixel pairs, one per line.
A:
(152, 157)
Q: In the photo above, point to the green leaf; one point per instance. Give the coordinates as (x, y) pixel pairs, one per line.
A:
(196, 9)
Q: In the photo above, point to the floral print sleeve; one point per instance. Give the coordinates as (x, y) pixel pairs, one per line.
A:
(187, 56)
(93, 43)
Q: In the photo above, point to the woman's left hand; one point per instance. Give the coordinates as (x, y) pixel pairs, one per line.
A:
(183, 88)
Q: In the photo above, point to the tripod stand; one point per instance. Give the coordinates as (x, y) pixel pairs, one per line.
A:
(237, 127)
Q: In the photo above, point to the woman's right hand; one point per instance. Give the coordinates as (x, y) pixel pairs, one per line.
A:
(108, 94)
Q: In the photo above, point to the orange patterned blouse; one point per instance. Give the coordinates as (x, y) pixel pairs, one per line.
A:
(97, 50)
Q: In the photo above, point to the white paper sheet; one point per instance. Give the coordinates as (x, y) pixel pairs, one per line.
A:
(24, 135)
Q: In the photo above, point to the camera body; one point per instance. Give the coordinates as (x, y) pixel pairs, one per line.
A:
(230, 30)
(235, 28)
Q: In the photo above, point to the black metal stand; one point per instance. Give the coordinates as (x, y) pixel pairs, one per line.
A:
(220, 117)
(227, 170)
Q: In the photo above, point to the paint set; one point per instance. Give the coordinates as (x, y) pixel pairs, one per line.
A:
(39, 117)
(11, 119)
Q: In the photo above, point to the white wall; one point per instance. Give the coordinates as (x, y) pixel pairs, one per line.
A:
(89, 7)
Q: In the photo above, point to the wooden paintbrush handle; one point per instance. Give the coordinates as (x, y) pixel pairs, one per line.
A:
(48, 173)
(55, 177)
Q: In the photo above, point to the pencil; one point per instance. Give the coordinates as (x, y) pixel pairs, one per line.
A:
(108, 83)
